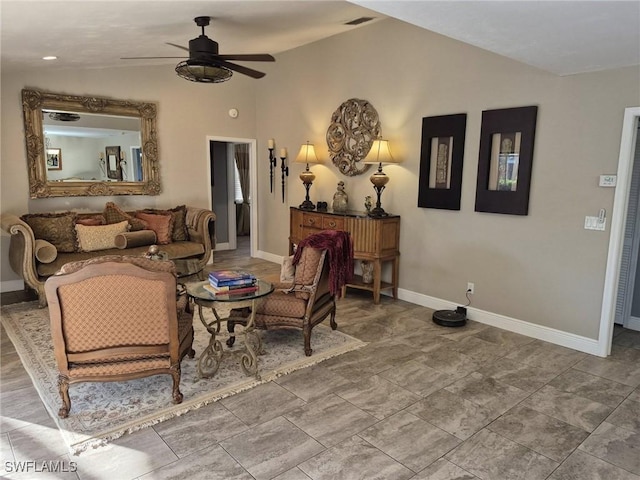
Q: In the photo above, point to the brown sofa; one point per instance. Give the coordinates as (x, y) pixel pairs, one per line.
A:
(190, 254)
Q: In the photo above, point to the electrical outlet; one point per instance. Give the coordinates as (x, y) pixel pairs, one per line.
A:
(470, 288)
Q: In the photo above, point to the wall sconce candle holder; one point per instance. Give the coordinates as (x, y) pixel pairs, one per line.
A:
(272, 161)
(285, 169)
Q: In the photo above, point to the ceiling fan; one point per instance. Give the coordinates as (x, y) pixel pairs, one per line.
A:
(206, 65)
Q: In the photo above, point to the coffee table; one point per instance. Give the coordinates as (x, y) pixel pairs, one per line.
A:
(210, 358)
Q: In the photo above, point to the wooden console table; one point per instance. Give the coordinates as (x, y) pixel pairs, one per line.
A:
(375, 240)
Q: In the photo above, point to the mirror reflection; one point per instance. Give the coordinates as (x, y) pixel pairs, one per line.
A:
(86, 141)
(89, 145)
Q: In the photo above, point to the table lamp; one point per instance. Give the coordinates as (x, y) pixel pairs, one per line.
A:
(307, 155)
(379, 154)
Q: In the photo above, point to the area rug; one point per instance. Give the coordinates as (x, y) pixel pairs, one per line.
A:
(102, 412)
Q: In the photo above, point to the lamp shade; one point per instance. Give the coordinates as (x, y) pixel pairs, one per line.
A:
(379, 153)
(307, 154)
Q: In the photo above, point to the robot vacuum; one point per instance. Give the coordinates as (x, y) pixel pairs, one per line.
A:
(451, 318)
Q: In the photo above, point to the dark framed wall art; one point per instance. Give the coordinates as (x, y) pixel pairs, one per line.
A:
(506, 156)
(441, 158)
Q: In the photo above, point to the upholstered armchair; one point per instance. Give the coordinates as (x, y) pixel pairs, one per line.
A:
(320, 274)
(117, 318)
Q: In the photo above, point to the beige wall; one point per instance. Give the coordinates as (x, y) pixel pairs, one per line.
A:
(543, 268)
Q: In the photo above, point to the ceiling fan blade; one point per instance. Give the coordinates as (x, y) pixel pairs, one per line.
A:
(178, 46)
(240, 69)
(145, 58)
(256, 57)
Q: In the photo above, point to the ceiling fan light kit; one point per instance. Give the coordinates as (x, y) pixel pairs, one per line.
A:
(202, 72)
(206, 65)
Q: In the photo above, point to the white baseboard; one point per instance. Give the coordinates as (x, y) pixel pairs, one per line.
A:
(270, 257)
(11, 286)
(540, 332)
(633, 324)
(552, 335)
(222, 246)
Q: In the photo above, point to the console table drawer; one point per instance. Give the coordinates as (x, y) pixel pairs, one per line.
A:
(312, 220)
(332, 223)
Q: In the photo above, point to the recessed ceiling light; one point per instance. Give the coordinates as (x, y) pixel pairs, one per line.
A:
(50, 57)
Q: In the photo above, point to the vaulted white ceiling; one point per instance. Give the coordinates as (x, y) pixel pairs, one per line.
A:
(562, 37)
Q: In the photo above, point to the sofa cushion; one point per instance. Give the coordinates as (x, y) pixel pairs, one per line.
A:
(161, 223)
(91, 219)
(56, 228)
(135, 239)
(99, 237)
(44, 251)
(114, 214)
(180, 232)
(280, 304)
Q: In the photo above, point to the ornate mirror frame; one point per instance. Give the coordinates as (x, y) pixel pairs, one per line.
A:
(34, 101)
(353, 128)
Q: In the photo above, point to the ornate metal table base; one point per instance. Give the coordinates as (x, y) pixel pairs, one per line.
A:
(211, 357)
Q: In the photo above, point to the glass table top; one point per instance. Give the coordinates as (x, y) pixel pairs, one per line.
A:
(198, 291)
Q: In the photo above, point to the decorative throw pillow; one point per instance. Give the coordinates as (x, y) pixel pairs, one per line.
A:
(100, 237)
(55, 228)
(288, 271)
(91, 220)
(135, 239)
(44, 251)
(114, 214)
(180, 232)
(162, 224)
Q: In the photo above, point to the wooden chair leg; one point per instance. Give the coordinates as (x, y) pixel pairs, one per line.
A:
(63, 387)
(332, 320)
(175, 374)
(306, 331)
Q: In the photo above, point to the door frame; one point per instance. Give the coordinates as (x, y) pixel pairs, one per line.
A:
(253, 184)
(616, 237)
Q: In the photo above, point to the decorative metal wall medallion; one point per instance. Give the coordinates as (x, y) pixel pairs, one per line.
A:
(354, 126)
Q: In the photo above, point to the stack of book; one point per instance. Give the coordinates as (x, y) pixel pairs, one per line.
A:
(230, 282)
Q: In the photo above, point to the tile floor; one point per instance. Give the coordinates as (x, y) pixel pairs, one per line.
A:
(418, 402)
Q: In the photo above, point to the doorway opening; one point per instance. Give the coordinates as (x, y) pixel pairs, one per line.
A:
(618, 227)
(233, 186)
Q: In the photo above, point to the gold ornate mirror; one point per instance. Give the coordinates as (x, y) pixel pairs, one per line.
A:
(110, 147)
